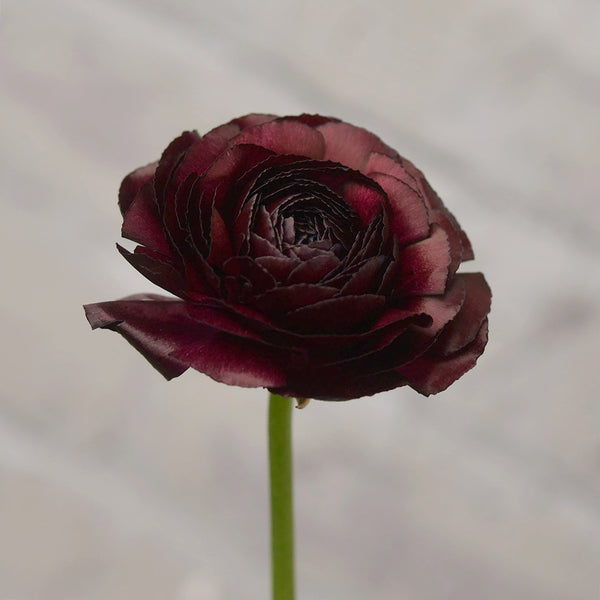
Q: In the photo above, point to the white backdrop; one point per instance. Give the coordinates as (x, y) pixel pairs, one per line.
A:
(115, 484)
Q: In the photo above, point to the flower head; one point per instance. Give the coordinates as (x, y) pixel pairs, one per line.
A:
(305, 255)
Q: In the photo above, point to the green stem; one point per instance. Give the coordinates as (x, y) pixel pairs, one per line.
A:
(282, 511)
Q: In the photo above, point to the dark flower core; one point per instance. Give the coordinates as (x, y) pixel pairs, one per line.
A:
(308, 257)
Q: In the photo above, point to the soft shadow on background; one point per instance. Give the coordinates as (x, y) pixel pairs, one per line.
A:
(115, 484)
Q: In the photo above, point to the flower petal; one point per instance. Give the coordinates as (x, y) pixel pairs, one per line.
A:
(339, 386)
(132, 184)
(165, 332)
(155, 267)
(410, 219)
(336, 315)
(368, 202)
(423, 267)
(153, 325)
(167, 167)
(285, 136)
(234, 361)
(350, 145)
(141, 222)
(314, 269)
(464, 327)
(430, 374)
(280, 300)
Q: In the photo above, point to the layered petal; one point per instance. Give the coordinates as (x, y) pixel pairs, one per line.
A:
(430, 374)
(308, 257)
(172, 340)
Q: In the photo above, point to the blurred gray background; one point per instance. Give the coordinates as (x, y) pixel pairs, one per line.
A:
(115, 484)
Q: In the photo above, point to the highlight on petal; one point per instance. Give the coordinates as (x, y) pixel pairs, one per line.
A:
(410, 217)
(423, 267)
(285, 137)
(234, 361)
(350, 145)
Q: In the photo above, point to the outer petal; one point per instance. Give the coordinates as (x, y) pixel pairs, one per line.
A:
(465, 326)
(172, 340)
(205, 150)
(132, 184)
(341, 386)
(424, 266)
(350, 145)
(410, 218)
(153, 325)
(430, 374)
(165, 177)
(285, 136)
(156, 268)
(234, 361)
(141, 222)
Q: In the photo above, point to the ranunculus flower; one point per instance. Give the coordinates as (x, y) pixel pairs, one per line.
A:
(306, 256)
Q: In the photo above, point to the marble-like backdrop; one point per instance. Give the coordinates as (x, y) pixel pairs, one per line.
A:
(115, 484)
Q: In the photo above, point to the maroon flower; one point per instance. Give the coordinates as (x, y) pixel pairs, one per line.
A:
(306, 256)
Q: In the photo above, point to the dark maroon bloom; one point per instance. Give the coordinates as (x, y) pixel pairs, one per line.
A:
(306, 256)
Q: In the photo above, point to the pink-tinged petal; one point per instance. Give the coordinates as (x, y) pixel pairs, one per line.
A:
(253, 119)
(464, 327)
(396, 167)
(280, 300)
(409, 220)
(368, 202)
(430, 374)
(132, 184)
(153, 325)
(313, 270)
(366, 278)
(336, 315)
(444, 220)
(141, 222)
(350, 145)
(234, 361)
(423, 267)
(156, 268)
(285, 137)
